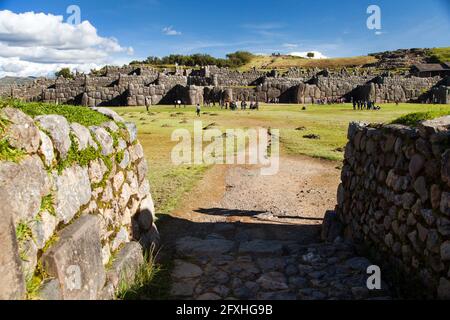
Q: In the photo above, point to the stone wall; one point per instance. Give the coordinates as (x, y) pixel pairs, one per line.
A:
(394, 200)
(75, 206)
(143, 86)
(379, 89)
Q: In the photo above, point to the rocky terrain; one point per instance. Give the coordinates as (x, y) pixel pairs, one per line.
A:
(256, 237)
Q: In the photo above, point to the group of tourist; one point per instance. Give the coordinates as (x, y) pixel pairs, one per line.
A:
(234, 105)
(325, 101)
(365, 105)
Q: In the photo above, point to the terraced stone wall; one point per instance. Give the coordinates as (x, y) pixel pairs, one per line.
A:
(75, 205)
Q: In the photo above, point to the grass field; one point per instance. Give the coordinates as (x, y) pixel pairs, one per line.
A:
(170, 183)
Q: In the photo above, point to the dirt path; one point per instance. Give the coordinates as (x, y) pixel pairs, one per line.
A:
(241, 235)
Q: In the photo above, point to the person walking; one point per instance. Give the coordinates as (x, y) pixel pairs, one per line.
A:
(198, 110)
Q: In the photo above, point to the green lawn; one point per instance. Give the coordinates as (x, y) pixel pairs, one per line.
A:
(170, 183)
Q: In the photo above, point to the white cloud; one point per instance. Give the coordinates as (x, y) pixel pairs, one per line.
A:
(290, 45)
(317, 54)
(36, 44)
(170, 31)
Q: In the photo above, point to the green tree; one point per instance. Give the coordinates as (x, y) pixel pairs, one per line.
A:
(310, 55)
(65, 73)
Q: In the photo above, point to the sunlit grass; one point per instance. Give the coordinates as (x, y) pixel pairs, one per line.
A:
(171, 183)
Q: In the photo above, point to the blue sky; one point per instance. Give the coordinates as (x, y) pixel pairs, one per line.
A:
(334, 28)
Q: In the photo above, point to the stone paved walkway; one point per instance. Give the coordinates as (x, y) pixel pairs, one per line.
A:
(225, 246)
(235, 262)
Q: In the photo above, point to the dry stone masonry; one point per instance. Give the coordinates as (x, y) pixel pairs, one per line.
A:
(75, 208)
(394, 200)
(145, 86)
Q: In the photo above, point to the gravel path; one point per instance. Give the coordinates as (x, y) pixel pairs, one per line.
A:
(240, 235)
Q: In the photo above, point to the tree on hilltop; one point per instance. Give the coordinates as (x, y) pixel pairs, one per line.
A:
(65, 73)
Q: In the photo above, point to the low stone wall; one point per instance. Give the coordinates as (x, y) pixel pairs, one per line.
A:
(394, 200)
(75, 206)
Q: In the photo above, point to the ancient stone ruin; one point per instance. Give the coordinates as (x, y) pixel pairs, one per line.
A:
(146, 86)
(394, 201)
(76, 210)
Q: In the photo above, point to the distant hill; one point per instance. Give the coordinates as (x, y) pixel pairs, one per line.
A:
(283, 62)
(398, 60)
(7, 81)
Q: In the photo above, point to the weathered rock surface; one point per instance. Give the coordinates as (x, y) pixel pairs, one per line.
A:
(304, 272)
(22, 187)
(83, 136)
(59, 129)
(46, 149)
(76, 260)
(22, 132)
(126, 264)
(73, 190)
(193, 246)
(43, 228)
(104, 139)
(12, 282)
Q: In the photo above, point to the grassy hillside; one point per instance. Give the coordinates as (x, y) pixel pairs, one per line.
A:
(441, 54)
(286, 62)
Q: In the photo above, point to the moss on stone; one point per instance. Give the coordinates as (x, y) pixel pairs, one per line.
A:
(54, 239)
(120, 156)
(32, 286)
(76, 156)
(82, 115)
(9, 153)
(23, 232)
(48, 204)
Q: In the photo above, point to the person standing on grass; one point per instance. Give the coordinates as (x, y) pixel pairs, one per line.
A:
(198, 109)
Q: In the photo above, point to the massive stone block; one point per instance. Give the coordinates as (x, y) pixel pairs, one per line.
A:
(126, 264)
(104, 139)
(22, 187)
(12, 284)
(59, 130)
(83, 136)
(76, 260)
(22, 132)
(73, 190)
